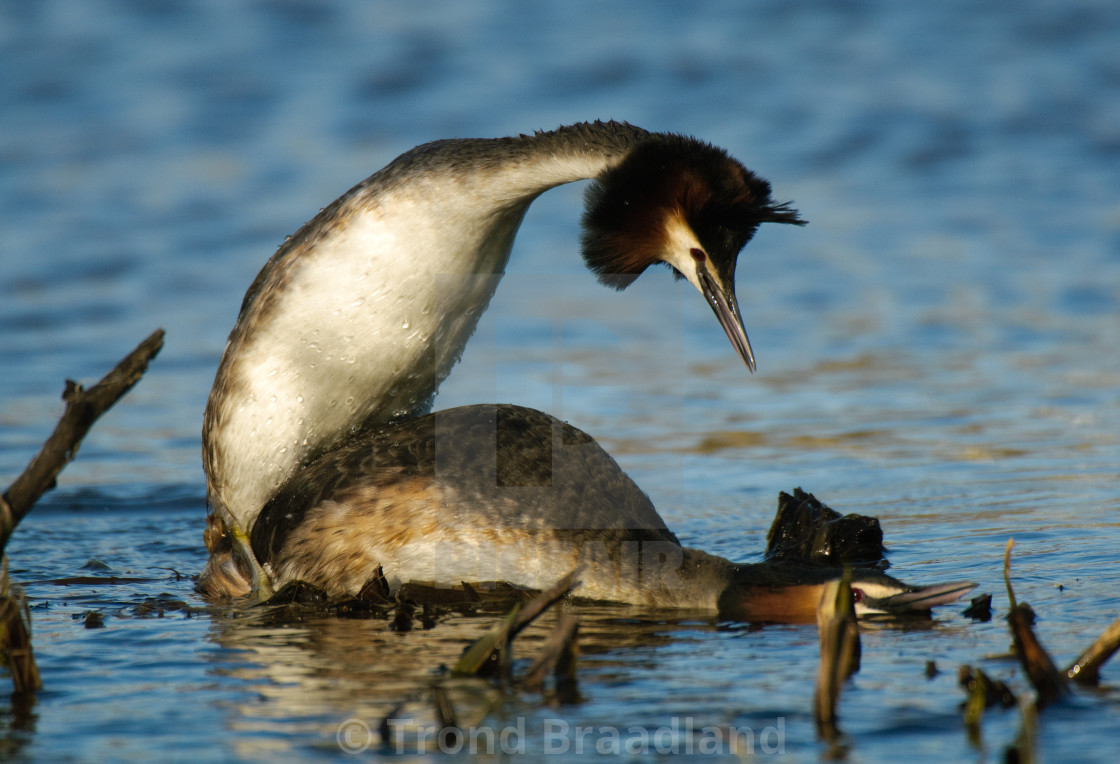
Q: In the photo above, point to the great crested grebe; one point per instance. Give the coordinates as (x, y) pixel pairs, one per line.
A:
(493, 493)
(348, 330)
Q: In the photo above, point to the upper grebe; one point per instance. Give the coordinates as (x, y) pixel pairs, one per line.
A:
(359, 316)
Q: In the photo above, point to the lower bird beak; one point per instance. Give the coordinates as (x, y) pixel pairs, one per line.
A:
(726, 308)
(918, 599)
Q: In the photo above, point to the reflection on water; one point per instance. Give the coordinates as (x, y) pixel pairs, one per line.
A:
(937, 347)
(317, 673)
(266, 685)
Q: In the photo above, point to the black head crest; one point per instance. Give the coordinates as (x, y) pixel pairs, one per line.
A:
(669, 178)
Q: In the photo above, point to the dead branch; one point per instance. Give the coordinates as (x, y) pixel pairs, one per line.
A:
(1086, 669)
(83, 407)
(490, 655)
(557, 655)
(15, 642)
(1048, 682)
(838, 632)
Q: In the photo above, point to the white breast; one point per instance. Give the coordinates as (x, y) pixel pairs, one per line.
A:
(363, 317)
(357, 337)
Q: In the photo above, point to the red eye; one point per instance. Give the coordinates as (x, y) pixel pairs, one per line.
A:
(857, 595)
(698, 255)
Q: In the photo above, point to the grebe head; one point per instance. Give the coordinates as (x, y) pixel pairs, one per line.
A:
(685, 203)
(887, 596)
(789, 592)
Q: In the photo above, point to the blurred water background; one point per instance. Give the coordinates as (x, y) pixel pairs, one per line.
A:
(939, 347)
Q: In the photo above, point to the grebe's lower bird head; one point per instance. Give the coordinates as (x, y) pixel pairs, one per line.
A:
(685, 203)
(792, 593)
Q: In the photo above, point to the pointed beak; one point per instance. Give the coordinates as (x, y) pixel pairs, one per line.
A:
(917, 600)
(726, 307)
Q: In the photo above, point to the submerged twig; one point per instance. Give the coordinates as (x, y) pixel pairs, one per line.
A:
(545, 600)
(1086, 669)
(1047, 681)
(83, 407)
(980, 608)
(558, 655)
(977, 699)
(983, 692)
(1022, 750)
(445, 713)
(15, 638)
(490, 655)
(839, 641)
(1007, 572)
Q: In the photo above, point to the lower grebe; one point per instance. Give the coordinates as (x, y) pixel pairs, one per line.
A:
(502, 493)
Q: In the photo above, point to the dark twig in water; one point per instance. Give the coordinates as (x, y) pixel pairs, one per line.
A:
(490, 655)
(977, 700)
(376, 590)
(839, 640)
(544, 601)
(983, 692)
(1007, 572)
(1048, 682)
(980, 608)
(15, 639)
(449, 727)
(83, 407)
(806, 530)
(558, 655)
(1086, 669)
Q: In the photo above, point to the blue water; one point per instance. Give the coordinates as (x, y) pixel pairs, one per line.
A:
(938, 347)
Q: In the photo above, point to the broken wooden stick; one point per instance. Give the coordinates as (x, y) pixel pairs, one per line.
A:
(83, 407)
(15, 637)
(545, 600)
(557, 655)
(839, 640)
(490, 655)
(1048, 682)
(1086, 669)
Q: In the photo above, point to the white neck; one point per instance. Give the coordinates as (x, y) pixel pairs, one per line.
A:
(361, 314)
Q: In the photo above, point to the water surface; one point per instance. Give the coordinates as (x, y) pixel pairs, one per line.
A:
(938, 347)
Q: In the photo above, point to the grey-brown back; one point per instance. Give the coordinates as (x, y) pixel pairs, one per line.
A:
(497, 467)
